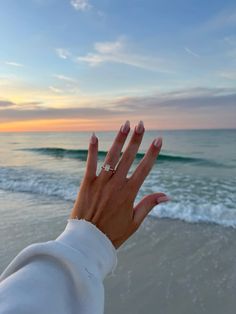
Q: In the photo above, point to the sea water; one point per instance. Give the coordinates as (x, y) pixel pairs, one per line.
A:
(196, 168)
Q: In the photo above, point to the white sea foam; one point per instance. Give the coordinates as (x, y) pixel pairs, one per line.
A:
(193, 199)
(189, 212)
(38, 182)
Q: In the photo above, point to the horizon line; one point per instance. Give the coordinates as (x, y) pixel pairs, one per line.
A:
(115, 130)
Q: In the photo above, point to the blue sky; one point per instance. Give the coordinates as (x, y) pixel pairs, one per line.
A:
(170, 63)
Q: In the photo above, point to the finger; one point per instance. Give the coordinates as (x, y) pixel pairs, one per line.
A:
(113, 154)
(146, 205)
(129, 154)
(91, 164)
(138, 176)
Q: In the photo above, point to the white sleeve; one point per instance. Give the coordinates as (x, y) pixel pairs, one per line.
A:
(62, 276)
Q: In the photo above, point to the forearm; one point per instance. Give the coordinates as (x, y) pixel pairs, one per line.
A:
(61, 276)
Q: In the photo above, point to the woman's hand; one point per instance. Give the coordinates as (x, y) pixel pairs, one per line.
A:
(107, 200)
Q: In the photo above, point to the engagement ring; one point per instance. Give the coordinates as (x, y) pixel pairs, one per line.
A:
(108, 168)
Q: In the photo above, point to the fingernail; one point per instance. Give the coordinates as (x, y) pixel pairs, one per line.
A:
(93, 139)
(125, 127)
(140, 127)
(162, 199)
(157, 142)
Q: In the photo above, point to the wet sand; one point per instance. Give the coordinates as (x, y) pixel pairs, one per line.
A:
(173, 267)
(166, 267)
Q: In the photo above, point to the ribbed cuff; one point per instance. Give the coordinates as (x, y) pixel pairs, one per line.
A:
(85, 237)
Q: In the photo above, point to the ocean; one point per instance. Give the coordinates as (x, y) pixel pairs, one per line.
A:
(40, 174)
(197, 169)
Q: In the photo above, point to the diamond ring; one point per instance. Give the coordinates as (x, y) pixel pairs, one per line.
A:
(107, 167)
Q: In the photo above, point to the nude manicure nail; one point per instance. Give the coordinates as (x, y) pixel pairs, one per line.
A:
(140, 127)
(125, 127)
(157, 142)
(162, 199)
(93, 138)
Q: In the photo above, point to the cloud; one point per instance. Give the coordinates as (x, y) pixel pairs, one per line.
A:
(65, 78)
(65, 84)
(56, 113)
(63, 53)
(189, 51)
(190, 99)
(5, 103)
(116, 52)
(32, 104)
(56, 90)
(65, 90)
(229, 75)
(196, 101)
(109, 47)
(21, 106)
(14, 64)
(81, 5)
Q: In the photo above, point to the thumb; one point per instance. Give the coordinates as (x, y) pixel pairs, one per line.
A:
(146, 205)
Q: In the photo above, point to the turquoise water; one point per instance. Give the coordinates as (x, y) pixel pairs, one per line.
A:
(196, 168)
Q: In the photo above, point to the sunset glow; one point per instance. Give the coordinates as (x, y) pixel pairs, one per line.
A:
(68, 68)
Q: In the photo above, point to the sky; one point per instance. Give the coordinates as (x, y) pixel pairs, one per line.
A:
(74, 65)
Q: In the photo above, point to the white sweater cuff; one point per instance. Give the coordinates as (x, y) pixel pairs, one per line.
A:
(85, 237)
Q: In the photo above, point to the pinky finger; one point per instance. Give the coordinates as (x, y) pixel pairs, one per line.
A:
(142, 209)
(91, 165)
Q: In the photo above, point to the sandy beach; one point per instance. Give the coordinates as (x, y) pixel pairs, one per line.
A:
(166, 267)
(172, 267)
